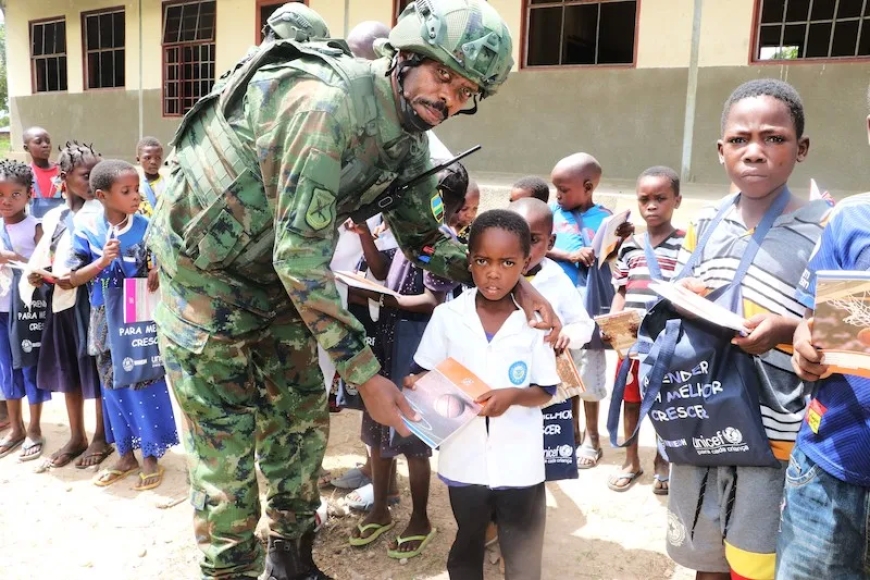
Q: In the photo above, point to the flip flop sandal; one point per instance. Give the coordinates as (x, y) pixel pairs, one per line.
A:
(424, 541)
(379, 530)
(363, 499)
(29, 444)
(8, 446)
(143, 477)
(102, 455)
(631, 476)
(115, 476)
(351, 479)
(665, 485)
(60, 460)
(589, 452)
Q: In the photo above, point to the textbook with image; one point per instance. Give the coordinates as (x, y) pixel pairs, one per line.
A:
(621, 328)
(841, 322)
(606, 243)
(444, 398)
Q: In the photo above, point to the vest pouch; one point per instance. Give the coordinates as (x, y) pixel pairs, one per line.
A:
(225, 228)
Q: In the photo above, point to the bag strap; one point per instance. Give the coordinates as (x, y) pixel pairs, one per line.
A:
(36, 189)
(149, 192)
(4, 235)
(652, 262)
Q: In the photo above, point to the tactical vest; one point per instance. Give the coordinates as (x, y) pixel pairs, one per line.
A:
(235, 222)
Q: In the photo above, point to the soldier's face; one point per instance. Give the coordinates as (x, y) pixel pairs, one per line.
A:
(436, 92)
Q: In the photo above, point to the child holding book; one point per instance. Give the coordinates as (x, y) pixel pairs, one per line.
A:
(641, 260)
(493, 467)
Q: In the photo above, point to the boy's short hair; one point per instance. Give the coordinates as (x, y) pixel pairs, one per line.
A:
(73, 154)
(504, 220)
(534, 184)
(106, 172)
(533, 208)
(148, 142)
(663, 171)
(17, 171)
(28, 133)
(777, 89)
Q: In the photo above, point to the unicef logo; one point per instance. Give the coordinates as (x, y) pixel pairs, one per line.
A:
(566, 451)
(733, 436)
(518, 372)
(26, 346)
(127, 363)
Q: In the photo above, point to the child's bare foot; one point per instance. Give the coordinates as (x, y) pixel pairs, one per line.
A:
(413, 540)
(96, 453)
(125, 466)
(151, 475)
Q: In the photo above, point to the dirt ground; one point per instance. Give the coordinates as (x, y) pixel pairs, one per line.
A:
(59, 525)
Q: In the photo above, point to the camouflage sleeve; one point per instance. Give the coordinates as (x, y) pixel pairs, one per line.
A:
(300, 139)
(416, 229)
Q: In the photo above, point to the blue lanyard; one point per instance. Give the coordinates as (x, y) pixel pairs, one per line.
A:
(652, 261)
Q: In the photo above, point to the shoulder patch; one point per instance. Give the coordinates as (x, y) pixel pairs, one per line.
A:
(321, 210)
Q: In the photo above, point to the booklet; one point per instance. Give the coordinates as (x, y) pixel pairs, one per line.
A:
(841, 322)
(618, 326)
(27, 269)
(355, 280)
(572, 384)
(606, 243)
(699, 306)
(444, 399)
(139, 302)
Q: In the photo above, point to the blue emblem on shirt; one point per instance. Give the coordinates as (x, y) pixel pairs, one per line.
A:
(518, 372)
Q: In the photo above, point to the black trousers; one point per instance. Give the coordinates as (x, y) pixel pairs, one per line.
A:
(521, 515)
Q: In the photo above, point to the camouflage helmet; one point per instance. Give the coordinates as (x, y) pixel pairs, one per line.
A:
(468, 36)
(296, 21)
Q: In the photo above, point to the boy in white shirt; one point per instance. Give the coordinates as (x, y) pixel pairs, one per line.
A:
(494, 467)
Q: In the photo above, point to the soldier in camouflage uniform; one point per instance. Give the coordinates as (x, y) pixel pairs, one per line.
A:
(265, 170)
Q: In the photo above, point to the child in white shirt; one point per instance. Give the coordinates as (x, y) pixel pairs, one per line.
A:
(493, 467)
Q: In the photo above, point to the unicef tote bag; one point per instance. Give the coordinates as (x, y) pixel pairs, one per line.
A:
(699, 390)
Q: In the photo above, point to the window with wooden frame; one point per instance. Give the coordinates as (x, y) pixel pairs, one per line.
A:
(265, 9)
(104, 37)
(188, 54)
(398, 7)
(811, 29)
(580, 32)
(48, 55)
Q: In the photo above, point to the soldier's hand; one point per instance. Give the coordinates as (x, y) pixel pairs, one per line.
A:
(386, 404)
(534, 304)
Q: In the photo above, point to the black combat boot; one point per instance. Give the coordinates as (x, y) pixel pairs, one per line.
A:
(292, 560)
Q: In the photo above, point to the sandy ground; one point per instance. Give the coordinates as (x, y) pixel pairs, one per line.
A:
(59, 525)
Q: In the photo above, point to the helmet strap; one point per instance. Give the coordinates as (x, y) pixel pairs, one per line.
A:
(411, 121)
(470, 111)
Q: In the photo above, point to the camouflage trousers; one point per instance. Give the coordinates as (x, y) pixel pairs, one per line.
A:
(258, 399)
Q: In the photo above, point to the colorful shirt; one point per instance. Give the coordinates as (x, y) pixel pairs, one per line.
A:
(46, 182)
(632, 271)
(574, 231)
(840, 444)
(768, 287)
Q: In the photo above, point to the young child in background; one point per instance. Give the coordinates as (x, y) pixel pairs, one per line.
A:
(463, 219)
(658, 195)
(108, 247)
(576, 218)
(46, 183)
(530, 186)
(149, 156)
(19, 233)
(64, 364)
(724, 521)
(493, 467)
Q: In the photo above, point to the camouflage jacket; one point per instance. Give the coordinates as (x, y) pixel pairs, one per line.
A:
(296, 124)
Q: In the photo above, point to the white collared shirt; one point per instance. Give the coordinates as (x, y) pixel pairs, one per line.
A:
(555, 285)
(510, 454)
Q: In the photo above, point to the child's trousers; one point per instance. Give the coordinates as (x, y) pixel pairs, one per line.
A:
(521, 514)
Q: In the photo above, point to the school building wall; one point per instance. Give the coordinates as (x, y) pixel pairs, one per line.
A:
(630, 117)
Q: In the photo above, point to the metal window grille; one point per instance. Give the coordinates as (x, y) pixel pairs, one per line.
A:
(188, 54)
(104, 35)
(580, 32)
(812, 29)
(48, 55)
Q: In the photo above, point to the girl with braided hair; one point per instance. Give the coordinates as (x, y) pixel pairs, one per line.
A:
(64, 365)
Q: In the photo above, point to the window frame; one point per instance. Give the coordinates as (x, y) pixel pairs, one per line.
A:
(525, 21)
(396, 10)
(164, 46)
(258, 22)
(84, 33)
(65, 54)
(756, 35)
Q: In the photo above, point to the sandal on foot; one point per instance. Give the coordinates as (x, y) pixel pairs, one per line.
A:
(143, 477)
(99, 455)
(379, 530)
(7, 446)
(363, 499)
(424, 541)
(663, 485)
(351, 479)
(586, 451)
(60, 459)
(631, 476)
(107, 477)
(28, 446)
